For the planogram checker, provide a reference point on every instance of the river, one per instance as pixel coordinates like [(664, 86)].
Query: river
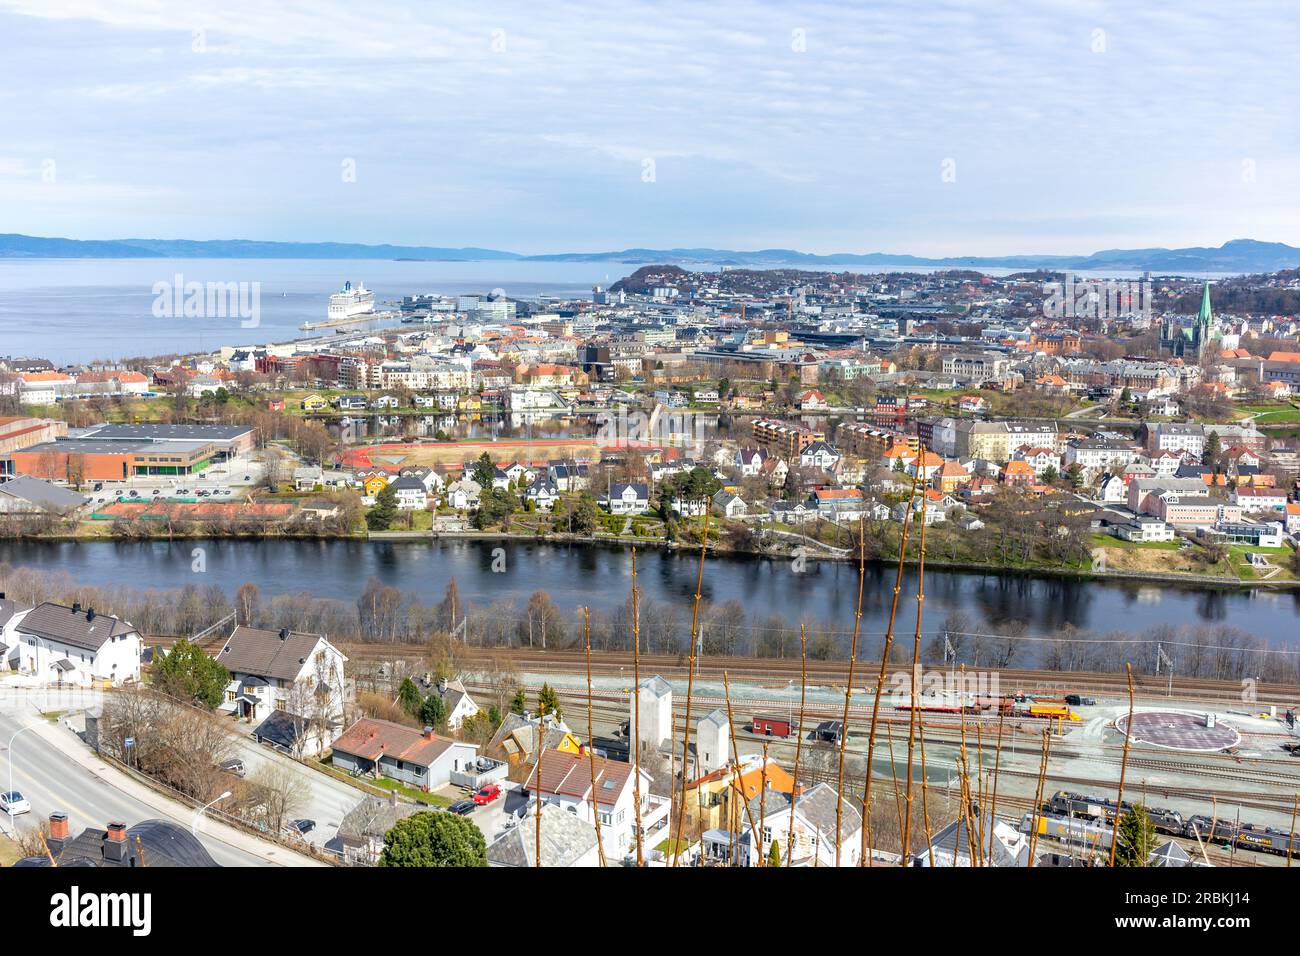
[(574, 575)]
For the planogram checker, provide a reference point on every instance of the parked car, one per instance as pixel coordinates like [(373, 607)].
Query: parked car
[(14, 803), (485, 795), (303, 826), (462, 807), (233, 765)]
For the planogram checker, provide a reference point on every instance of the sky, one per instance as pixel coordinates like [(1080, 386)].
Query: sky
[(931, 128)]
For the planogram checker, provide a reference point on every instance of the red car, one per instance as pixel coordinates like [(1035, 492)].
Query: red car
[(486, 795)]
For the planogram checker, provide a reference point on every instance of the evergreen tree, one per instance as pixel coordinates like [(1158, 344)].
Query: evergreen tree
[(1137, 838), (433, 713), (518, 703), (434, 839), (380, 516), (1213, 449), (548, 701), (188, 674), (774, 854), (484, 471), (408, 697)]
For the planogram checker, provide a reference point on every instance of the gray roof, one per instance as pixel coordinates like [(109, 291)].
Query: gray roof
[(565, 840), (375, 816), (252, 650), (187, 433), (41, 493), (8, 608), (656, 685), (715, 717), (76, 628)]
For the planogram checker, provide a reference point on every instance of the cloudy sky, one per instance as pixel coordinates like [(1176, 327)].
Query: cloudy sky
[(903, 126)]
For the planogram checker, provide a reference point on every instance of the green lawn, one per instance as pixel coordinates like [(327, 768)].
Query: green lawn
[(1110, 541)]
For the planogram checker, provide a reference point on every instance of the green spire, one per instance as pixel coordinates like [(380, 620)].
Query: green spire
[(1207, 314)]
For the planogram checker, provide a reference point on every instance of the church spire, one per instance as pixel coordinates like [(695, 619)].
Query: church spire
[(1206, 316)]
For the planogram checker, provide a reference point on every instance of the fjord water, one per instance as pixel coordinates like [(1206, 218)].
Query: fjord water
[(78, 310)]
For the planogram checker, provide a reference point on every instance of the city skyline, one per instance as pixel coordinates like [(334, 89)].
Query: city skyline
[(937, 131)]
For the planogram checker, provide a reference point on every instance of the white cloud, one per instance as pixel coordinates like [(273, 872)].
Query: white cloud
[(451, 109)]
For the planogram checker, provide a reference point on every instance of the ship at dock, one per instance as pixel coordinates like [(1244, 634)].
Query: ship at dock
[(351, 304)]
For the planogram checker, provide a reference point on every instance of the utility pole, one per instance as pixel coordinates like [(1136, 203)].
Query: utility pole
[(1161, 656)]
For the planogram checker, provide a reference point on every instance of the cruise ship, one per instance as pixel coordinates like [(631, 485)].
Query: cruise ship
[(351, 302)]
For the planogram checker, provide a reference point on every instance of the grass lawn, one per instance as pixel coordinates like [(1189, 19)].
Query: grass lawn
[(419, 796), (1110, 541)]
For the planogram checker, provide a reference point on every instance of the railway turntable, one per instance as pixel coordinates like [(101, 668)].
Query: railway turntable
[(1185, 731)]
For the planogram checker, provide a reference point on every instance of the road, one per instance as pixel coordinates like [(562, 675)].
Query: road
[(54, 777)]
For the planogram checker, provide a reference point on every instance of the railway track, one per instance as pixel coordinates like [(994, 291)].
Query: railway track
[(779, 672)]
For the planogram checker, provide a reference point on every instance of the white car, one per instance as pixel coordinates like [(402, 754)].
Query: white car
[(14, 803)]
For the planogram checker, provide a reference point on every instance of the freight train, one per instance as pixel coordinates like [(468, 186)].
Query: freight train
[(1245, 835), (1067, 829), (1099, 812), (1098, 808)]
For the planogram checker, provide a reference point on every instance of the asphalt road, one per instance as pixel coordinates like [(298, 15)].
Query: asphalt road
[(53, 781)]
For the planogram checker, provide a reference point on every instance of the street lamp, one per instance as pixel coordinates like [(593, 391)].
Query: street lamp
[(198, 814), (11, 771)]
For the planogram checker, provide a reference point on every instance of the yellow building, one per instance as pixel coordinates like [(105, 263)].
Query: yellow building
[(314, 403), (374, 483), (717, 800)]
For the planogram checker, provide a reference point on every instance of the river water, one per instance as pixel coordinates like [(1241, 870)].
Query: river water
[(575, 575)]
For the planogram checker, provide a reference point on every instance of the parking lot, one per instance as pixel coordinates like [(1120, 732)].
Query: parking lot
[(492, 818), (225, 481)]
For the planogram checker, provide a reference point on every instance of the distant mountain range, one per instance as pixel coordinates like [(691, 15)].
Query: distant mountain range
[(1239, 255)]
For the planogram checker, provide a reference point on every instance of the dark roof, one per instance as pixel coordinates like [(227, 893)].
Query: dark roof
[(279, 728), (155, 432), (150, 843), (253, 650), (73, 626)]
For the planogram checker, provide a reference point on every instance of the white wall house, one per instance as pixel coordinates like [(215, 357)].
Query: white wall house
[(75, 645), (814, 829), (298, 673), (633, 499), (566, 782)]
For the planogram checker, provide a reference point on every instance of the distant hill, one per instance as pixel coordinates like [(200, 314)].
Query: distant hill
[(1239, 255), (14, 246)]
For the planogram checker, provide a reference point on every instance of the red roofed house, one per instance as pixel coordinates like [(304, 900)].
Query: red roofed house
[(812, 399), (1019, 473), (566, 782), (426, 760)]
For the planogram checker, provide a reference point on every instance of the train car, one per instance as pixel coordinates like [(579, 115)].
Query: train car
[(1071, 830), (1099, 808), (1051, 712), (934, 708), (1247, 836), (772, 726)]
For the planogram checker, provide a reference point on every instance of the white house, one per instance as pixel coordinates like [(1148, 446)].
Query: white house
[(819, 455), (543, 493), (11, 615), (421, 759), (729, 505), (464, 494), (750, 461), (295, 672), (565, 781), (814, 828), (460, 706), (411, 493), (75, 645), (627, 499)]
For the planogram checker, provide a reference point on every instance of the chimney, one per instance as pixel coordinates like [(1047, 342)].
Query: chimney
[(428, 733), (284, 633), (58, 833), (76, 607), (90, 614), (442, 685), (115, 843)]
